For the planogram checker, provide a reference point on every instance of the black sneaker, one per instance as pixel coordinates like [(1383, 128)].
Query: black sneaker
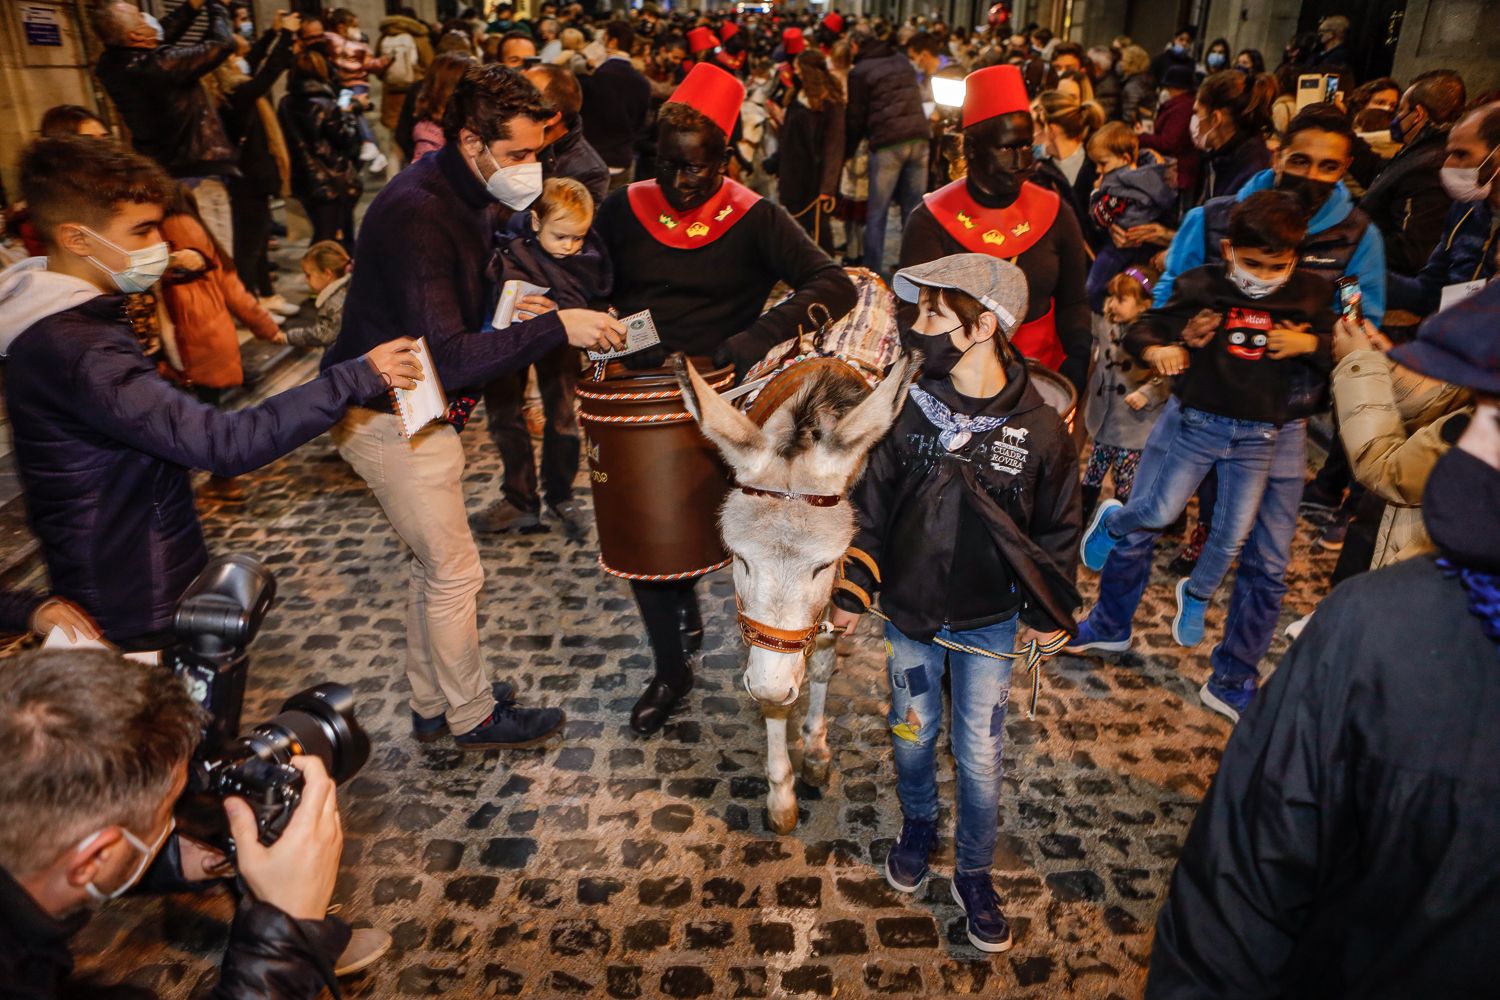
[(989, 931), (906, 864), (510, 727), (427, 730)]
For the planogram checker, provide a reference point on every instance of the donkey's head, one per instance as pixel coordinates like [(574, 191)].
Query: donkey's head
[(789, 524)]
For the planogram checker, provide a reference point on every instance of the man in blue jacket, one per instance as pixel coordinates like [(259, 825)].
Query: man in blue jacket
[(1314, 158), (104, 444)]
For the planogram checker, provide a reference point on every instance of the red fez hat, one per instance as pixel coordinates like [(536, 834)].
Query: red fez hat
[(729, 30), (713, 93), (992, 91), (834, 22), (702, 39), (792, 41)]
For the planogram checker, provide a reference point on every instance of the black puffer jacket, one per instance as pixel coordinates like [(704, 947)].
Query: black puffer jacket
[(885, 103), (158, 94), (270, 955), (1407, 201), (945, 527), (322, 140), (259, 175)]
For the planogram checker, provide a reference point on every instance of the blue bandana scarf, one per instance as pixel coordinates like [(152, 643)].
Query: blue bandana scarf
[(954, 429)]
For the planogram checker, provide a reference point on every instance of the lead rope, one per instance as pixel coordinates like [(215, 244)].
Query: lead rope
[(1033, 653)]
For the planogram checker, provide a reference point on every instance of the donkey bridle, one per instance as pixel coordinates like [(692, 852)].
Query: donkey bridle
[(783, 640), (814, 499)]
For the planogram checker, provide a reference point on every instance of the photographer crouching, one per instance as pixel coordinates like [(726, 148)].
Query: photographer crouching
[(97, 751)]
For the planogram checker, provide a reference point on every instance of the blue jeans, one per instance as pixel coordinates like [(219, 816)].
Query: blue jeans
[(1184, 445), (896, 172), (1255, 604), (981, 692)]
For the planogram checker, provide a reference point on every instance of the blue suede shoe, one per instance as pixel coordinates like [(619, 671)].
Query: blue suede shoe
[(1087, 640), (1097, 542), (1227, 696), (1187, 624), (989, 931), (428, 730), (906, 864)]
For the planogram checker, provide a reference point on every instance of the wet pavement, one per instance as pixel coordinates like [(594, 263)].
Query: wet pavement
[(605, 865)]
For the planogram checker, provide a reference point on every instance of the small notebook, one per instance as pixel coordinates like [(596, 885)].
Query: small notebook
[(511, 292), (640, 333), (427, 402)]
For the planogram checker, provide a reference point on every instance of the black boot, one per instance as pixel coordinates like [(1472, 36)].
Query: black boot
[(656, 705), (1090, 501), (690, 623)]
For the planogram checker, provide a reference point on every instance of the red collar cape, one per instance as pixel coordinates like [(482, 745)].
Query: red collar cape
[(694, 229), (1000, 232)]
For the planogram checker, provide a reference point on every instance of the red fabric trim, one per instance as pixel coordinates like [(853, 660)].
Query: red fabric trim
[(1038, 339), (690, 230), (1000, 232)]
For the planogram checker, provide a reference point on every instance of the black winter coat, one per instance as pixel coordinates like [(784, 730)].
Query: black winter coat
[(322, 140), (1020, 481), (1346, 848), (1407, 201), (885, 103), (259, 175), (105, 446), (270, 955), (1226, 169), (573, 156), (1137, 94), (158, 94), (811, 156)]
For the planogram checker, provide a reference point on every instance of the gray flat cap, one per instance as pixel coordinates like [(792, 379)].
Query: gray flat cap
[(999, 285)]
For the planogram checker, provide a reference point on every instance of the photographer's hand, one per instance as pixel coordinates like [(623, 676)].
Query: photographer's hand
[(296, 874)]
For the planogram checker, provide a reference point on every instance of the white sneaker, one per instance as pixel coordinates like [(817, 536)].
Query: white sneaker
[(1295, 628), (368, 151), (378, 165), (277, 304)]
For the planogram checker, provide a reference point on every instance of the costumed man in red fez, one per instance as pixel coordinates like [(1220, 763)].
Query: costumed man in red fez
[(793, 44), (996, 210), (703, 252), (732, 52), (702, 43)]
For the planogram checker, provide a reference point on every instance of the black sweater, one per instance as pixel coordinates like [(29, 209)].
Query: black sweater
[(423, 249), (1233, 375), (1056, 269), (919, 507), (709, 301), (616, 108)]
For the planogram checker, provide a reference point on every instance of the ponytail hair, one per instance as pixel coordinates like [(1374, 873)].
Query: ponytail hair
[(1246, 98), (1077, 119)]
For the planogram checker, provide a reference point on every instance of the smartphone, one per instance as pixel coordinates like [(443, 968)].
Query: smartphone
[(1350, 300), (1330, 87), (1310, 89)]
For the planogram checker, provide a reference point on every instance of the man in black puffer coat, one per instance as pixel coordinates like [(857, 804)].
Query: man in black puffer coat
[(885, 108)]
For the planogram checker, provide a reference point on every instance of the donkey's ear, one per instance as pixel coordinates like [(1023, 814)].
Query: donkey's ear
[(738, 438), (867, 423)]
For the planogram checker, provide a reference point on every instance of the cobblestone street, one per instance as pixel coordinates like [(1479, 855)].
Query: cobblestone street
[(603, 865)]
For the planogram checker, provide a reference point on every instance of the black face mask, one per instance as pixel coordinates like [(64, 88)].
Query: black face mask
[(1312, 193), (939, 353), (1461, 507)]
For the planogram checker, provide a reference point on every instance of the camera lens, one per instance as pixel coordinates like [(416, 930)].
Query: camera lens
[(318, 722)]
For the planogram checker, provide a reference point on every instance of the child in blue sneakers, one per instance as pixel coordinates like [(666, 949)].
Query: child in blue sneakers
[(968, 528), (1229, 401)]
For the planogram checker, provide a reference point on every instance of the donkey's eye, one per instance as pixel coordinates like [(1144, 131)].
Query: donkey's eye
[(819, 570)]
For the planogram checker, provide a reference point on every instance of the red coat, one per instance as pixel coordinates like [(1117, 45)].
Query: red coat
[(1172, 136), (203, 310)]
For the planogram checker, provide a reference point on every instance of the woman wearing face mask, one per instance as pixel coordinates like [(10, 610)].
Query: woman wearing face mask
[(1250, 62), (1217, 56), (997, 209), (968, 525), (1230, 119), (323, 144), (703, 252)]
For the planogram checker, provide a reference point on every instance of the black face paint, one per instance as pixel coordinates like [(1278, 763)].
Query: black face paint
[(1311, 192)]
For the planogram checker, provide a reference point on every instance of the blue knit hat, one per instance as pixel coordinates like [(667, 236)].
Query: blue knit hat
[(1460, 345)]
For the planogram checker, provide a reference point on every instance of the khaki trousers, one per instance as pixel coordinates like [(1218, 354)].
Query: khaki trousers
[(419, 486)]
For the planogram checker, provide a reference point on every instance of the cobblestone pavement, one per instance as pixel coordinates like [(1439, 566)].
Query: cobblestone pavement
[(609, 866)]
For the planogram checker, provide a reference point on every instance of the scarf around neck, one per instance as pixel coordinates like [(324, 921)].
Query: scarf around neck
[(954, 429)]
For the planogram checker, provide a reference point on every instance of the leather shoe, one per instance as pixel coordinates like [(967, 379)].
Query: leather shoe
[(655, 706), (690, 625)]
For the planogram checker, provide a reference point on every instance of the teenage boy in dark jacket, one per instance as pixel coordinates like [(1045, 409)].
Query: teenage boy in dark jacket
[(968, 518), (104, 444), (1230, 402)]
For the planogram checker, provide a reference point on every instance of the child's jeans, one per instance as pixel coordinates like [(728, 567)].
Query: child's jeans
[(1183, 446), (981, 692)]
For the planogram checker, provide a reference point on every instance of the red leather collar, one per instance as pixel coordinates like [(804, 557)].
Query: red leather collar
[(689, 230), (1000, 232)]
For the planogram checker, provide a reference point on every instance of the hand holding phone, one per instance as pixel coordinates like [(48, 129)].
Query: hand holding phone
[(1351, 300)]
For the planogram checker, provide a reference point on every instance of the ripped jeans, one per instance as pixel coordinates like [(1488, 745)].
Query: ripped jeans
[(981, 691)]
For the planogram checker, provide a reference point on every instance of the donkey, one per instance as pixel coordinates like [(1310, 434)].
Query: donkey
[(787, 527)]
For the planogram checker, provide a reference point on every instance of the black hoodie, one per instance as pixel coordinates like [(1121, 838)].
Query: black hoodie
[(964, 538)]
